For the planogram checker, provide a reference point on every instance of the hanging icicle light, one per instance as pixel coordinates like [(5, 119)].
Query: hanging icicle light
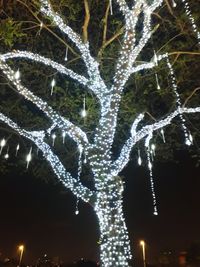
[(66, 53), (17, 149), (63, 136), (7, 155), (83, 111), (53, 83), (157, 82), (53, 138), (163, 135), (77, 210), (28, 158), (139, 159), (2, 144), (17, 75)]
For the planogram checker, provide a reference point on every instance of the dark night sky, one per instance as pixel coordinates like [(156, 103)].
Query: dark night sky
[(41, 215)]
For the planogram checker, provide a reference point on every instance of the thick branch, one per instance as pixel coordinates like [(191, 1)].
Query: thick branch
[(148, 130), (91, 64), (37, 137), (58, 121), (46, 61), (86, 22)]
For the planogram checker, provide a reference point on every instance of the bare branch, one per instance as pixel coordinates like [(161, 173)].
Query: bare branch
[(86, 22), (37, 137), (148, 130), (73, 131)]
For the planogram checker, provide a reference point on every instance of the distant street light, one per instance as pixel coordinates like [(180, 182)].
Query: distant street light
[(142, 243), (21, 249)]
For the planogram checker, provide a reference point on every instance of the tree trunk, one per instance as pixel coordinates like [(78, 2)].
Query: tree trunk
[(114, 241)]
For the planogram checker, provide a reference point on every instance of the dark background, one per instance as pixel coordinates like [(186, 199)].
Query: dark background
[(42, 215)]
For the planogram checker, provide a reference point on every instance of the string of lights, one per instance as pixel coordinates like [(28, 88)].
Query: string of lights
[(106, 199)]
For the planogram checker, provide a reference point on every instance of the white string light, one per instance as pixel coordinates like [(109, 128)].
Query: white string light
[(189, 14), (149, 164), (188, 139), (77, 209)]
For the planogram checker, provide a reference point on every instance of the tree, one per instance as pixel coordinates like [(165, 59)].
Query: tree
[(95, 151)]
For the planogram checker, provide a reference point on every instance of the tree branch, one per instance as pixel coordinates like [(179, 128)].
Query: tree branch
[(148, 130), (86, 22), (37, 137), (58, 121), (46, 61), (91, 64)]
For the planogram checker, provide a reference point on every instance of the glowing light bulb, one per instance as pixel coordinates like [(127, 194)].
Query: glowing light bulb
[(53, 137), (63, 136), (66, 53), (53, 83), (2, 144), (17, 75), (17, 149), (6, 156), (83, 113), (28, 158)]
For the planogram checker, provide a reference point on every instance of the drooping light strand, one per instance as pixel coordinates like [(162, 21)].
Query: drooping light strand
[(17, 149), (188, 138), (28, 158), (189, 14), (2, 145), (111, 7), (53, 83), (150, 166), (77, 209)]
